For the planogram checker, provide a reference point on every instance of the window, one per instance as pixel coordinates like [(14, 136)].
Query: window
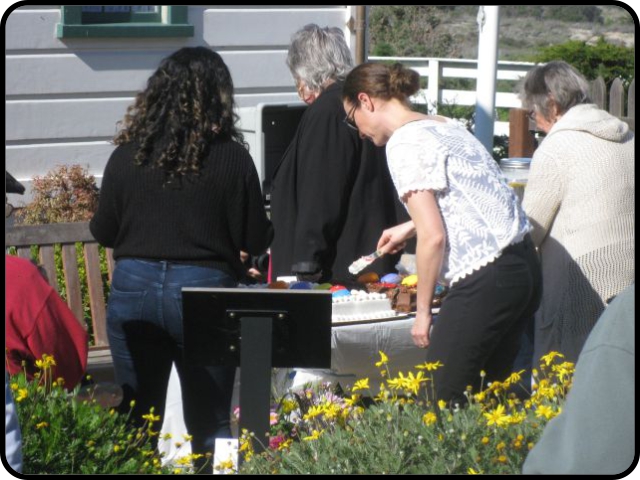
[(123, 21)]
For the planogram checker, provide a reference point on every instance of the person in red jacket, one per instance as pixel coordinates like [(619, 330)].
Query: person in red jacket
[(38, 322)]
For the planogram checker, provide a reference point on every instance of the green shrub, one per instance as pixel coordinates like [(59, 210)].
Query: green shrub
[(602, 59), (403, 432), (62, 434)]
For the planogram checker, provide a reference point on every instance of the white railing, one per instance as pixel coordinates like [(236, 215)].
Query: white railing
[(437, 69)]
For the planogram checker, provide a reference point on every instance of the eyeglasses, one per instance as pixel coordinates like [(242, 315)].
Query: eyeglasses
[(349, 120)]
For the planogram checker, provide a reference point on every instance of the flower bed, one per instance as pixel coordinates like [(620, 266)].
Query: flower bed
[(64, 434), (399, 431)]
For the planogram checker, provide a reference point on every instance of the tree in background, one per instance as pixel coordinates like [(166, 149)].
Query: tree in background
[(602, 59), (404, 30)]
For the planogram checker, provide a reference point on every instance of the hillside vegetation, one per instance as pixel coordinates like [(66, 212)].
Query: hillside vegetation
[(452, 31)]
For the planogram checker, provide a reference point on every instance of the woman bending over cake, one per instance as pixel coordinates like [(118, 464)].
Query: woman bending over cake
[(472, 233)]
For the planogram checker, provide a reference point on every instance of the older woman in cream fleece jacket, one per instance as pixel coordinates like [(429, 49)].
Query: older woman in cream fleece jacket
[(580, 201)]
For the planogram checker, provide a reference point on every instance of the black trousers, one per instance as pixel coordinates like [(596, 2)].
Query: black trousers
[(481, 322)]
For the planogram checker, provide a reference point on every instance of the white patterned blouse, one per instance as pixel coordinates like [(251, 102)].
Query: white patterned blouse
[(480, 212)]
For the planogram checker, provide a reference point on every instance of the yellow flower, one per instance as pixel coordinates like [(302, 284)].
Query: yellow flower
[(442, 404), (42, 425), (517, 418), (548, 358), (471, 471), (502, 459), (288, 406), (412, 382), (47, 361), (315, 435), (331, 410), (497, 417), (22, 394), (352, 401), (485, 440), (187, 437), (14, 387), (479, 397), (513, 378), (116, 448), (383, 359), (396, 383), (151, 417), (544, 411), (285, 445), (225, 465), (383, 395), (501, 446), (429, 418), (430, 366), (313, 412), (167, 436), (361, 385)]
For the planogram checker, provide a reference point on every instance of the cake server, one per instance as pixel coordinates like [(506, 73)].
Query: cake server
[(363, 262)]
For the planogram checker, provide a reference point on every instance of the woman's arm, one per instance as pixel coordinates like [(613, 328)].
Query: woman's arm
[(542, 195), (430, 248), (394, 239), (104, 224)]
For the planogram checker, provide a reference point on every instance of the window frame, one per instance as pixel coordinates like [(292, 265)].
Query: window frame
[(173, 22)]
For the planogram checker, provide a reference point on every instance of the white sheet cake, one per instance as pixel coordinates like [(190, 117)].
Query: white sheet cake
[(361, 305)]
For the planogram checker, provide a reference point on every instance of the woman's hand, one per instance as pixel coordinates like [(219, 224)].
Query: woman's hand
[(395, 238), (420, 331)]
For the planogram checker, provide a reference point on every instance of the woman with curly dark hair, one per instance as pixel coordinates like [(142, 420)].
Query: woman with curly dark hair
[(180, 199)]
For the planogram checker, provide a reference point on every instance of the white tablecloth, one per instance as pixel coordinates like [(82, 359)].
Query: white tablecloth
[(354, 352)]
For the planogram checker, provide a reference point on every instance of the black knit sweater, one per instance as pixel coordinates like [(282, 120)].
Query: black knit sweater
[(204, 220)]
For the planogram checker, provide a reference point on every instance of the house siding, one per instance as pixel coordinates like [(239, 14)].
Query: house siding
[(64, 97)]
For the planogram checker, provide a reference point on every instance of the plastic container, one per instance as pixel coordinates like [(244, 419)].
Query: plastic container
[(516, 171)]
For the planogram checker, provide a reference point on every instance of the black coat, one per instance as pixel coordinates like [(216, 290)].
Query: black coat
[(331, 196)]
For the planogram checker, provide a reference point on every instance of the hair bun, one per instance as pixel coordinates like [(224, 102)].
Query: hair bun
[(403, 81)]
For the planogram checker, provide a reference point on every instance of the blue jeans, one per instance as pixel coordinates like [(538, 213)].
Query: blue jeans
[(144, 325)]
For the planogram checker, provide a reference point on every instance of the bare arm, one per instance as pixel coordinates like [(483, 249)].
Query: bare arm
[(430, 246), (393, 239)]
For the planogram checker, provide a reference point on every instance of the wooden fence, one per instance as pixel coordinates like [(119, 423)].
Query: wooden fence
[(522, 130), (436, 72)]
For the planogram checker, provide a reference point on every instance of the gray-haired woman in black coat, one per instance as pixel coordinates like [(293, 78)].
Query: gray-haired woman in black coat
[(331, 194)]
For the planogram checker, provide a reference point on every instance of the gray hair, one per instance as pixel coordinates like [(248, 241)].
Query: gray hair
[(317, 55), (556, 82)]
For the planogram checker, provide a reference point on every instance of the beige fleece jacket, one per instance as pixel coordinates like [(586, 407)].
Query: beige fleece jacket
[(580, 201)]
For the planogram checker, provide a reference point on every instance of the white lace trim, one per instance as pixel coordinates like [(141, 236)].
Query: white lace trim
[(483, 263)]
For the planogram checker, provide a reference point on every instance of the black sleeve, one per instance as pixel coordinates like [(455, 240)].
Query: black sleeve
[(258, 231), (105, 225), (328, 153)]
